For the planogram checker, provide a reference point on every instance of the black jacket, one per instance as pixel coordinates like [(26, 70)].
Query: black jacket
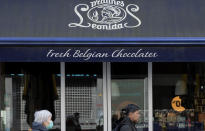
[(127, 125), (38, 127)]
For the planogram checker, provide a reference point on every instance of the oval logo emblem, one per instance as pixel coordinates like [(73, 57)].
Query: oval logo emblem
[(106, 14)]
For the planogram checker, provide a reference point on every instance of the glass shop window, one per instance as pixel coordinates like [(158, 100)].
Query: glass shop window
[(26, 88), (129, 86), (179, 96), (84, 97)]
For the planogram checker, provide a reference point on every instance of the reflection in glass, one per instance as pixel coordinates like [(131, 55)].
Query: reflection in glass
[(178, 96), (26, 88), (84, 97), (129, 86)]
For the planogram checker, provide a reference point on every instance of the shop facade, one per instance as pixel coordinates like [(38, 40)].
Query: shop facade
[(84, 61)]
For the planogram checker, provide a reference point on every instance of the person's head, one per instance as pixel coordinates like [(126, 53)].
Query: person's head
[(132, 111), (44, 117)]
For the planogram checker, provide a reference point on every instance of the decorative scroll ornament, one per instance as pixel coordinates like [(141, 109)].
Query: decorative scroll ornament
[(80, 24), (106, 15)]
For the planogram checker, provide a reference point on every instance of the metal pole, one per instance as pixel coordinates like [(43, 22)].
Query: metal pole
[(105, 97), (150, 100), (109, 93), (63, 116)]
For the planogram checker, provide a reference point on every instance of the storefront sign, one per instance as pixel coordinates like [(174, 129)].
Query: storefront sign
[(103, 54), (176, 104), (106, 15), (101, 20), (90, 53)]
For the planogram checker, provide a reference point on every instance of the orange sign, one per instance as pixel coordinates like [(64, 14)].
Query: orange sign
[(176, 104)]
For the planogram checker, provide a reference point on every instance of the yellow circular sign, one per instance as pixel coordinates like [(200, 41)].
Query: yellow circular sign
[(176, 104)]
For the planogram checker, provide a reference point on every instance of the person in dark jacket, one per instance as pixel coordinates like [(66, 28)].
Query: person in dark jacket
[(42, 121), (132, 117)]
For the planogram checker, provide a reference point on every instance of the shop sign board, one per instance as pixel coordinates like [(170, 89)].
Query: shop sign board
[(102, 54), (102, 19)]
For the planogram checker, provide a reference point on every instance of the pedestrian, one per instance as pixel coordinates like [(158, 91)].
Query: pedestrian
[(132, 116), (42, 121)]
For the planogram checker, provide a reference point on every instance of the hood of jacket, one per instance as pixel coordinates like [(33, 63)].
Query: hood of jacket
[(38, 127), (127, 121)]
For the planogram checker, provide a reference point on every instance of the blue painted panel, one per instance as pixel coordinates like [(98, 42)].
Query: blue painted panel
[(127, 54)]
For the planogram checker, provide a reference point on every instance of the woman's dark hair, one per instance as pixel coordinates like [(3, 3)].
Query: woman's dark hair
[(131, 108)]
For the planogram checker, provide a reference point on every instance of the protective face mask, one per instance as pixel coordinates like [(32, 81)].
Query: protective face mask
[(50, 125)]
